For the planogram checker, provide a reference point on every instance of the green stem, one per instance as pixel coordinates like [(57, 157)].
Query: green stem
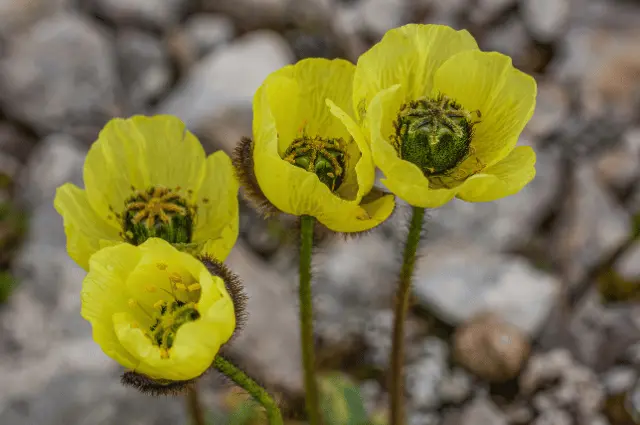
[(249, 385), (195, 408), (396, 379), (306, 320)]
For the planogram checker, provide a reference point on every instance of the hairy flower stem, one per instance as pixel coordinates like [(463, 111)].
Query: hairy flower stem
[(306, 320), (195, 408), (258, 393), (396, 378)]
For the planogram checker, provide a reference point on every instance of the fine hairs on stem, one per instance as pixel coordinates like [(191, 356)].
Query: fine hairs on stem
[(258, 393), (396, 377), (306, 320), (195, 407)]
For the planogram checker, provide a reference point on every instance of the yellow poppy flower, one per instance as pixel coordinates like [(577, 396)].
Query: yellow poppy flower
[(156, 310), (444, 117), (303, 158), (149, 177)]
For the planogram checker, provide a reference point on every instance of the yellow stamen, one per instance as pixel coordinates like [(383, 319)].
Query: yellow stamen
[(175, 277), (194, 287), (162, 266), (181, 286), (159, 304)]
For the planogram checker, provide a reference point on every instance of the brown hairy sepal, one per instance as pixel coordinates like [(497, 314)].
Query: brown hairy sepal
[(242, 159)]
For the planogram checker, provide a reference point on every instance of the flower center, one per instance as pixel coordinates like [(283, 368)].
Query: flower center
[(157, 212), (168, 316), (326, 158), (434, 134)]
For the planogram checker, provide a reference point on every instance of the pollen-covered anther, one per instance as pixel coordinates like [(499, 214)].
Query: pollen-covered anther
[(157, 212), (324, 157), (435, 134)]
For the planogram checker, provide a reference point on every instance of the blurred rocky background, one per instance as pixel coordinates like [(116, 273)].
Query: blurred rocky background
[(525, 310)]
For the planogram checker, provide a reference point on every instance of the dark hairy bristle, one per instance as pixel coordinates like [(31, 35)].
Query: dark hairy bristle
[(234, 286), (242, 159), (153, 387)]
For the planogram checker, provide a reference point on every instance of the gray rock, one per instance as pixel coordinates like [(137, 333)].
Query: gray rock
[(423, 418), (205, 33), (15, 15), (375, 328), (619, 167), (519, 413), (590, 227), (14, 142), (423, 377), (601, 335), (89, 398), (628, 265), (510, 38), (563, 384), (455, 387), (553, 417), (597, 420), (633, 400), (619, 379), (504, 224), (345, 305), (552, 109), (485, 11), (65, 63), (458, 282), (379, 16), (56, 160), (482, 411), (252, 14), (442, 13), (546, 19), (633, 354), (145, 13), (145, 68), (272, 324), (601, 61), (224, 82), (372, 395), (544, 368)]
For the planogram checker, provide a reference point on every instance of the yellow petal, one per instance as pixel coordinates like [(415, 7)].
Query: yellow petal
[(505, 178), (194, 349), (289, 188), (104, 294), (409, 56), (86, 231), (296, 97), (216, 306), (359, 218), (364, 170), (505, 97), (217, 217), (141, 152), (196, 343)]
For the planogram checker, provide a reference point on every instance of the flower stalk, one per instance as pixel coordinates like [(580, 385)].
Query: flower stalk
[(396, 378), (258, 393), (306, 320)]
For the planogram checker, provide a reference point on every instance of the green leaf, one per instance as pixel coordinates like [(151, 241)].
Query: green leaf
[(7, 283)]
